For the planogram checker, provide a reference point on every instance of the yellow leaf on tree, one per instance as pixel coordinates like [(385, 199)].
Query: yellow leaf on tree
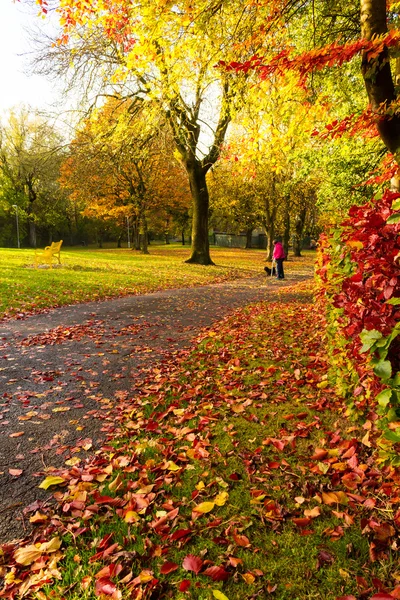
[(221, 498), (204, 507), (51, 480)]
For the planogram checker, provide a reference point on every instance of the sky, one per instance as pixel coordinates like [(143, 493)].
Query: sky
[(17, 85)]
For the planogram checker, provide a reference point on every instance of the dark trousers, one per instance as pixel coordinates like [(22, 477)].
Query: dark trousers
[(279, 268)]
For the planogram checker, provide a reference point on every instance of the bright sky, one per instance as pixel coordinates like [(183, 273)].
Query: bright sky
[(17, 86)]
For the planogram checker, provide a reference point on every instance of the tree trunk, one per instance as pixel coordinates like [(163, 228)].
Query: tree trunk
[(249, 234), (32, 233), (144, 232), (183, 237), (377, 72), (299, 228), (286, 232), (200, 252)]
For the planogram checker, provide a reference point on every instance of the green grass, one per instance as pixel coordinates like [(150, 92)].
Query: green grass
[(90, 274)]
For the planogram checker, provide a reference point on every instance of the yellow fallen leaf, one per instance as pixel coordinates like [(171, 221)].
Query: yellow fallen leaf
[(204, 507), (312, 512), (200, 486), (171, 466), (249, 578), (73, 461), (221, 498), (219, 595), (51, 480), (131, 517), (145, 576), (38, 517), (29, 554), (322, 385)]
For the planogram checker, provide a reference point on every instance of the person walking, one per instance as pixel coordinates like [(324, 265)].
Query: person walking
[(279, 256)]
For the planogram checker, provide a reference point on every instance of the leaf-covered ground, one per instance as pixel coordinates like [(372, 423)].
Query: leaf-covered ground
[(229, 473)]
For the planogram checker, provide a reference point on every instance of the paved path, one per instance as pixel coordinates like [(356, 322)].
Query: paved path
[(61, 370)]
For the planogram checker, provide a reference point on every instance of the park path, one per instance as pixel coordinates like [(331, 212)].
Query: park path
[(61, 371)]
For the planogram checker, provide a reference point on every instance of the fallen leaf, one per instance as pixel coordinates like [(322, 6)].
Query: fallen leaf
[(51, 480), (192, 563)]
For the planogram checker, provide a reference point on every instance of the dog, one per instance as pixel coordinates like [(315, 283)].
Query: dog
[(269, 271)]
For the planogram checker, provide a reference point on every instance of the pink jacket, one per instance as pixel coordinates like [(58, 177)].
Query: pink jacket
[(278, 251)]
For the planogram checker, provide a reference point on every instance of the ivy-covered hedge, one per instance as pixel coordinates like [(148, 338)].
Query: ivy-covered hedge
[(358, 276)]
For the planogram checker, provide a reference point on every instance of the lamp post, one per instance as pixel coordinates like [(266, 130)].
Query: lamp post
[(129, 240), (16, 215)]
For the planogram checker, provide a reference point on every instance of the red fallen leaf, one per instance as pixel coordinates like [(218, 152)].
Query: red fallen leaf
[(168, 567), (346, 598), (324, 558), (17, 434), (184, 585), (15, 472), (108, 500), (235, 476), (396, 592), (302, 522), (319, 454), (192, 563), (382, 596), (351, 481), (180, 533), (216, 573), (104, 585), (242, 540)]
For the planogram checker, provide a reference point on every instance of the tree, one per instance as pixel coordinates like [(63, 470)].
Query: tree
[(167, 52), (121, 166), (31, 151)]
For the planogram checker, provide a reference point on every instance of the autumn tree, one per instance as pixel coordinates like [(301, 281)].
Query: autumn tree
[(167, 52), (121, 166)]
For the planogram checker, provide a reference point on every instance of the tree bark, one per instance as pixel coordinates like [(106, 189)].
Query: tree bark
[(286, 232), (249, 234), (200, 243), (377, 73)]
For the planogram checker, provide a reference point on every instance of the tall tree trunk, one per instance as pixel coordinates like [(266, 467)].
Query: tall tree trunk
[(32, 232), (200, 252), (286, 231), (377, 72), (249, 234), (144, 230), (298, 229)]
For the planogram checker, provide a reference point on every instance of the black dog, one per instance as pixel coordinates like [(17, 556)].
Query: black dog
[(269, 272)]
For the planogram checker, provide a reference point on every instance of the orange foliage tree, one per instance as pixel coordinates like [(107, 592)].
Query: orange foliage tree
[(121, 166)]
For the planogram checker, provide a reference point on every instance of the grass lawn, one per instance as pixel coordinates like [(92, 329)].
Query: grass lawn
[(90, 274)]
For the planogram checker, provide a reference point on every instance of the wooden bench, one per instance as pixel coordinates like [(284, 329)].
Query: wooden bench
[(46, 256)]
